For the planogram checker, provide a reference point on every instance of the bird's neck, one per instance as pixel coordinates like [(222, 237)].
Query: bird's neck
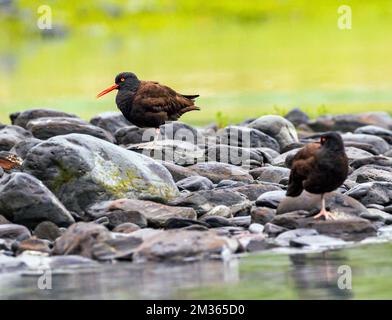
[(124, 98)]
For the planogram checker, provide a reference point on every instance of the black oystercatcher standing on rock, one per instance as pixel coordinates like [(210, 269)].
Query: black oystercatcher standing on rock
[(319, 168), (148, 104)]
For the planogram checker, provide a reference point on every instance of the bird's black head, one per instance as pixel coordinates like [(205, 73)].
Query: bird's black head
[(123, 81), (332, 141)]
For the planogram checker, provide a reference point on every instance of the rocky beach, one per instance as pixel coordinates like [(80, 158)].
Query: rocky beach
[(95, 192)]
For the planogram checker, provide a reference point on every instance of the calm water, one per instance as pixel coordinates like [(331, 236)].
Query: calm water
[(257, 276)]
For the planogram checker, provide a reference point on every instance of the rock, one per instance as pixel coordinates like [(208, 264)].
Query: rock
[(22, 118), (3, 220), (11, 135), (82, 170), (138, 211), (178, 173), (230, 184), (284, 160), (273, 230), (262, 215), (372, 193), (335, 202), (195, 183), (32, 244), (110, 121), (350, 122), (260, 245), (386, 209), (45, 128), (216, 221), (241, 221), (118, 212), (178, 245), (270, 174), (285, 238), (14, 231), (246, 138), (356, 154), (277, 127), (244, 157), (131, 135), (271, 199), (217, 172), (47, 230), (126, 227), (181, 153), (376, 131), (146, 233), (117, 248), (253, 191), (372, 160), (379, 144), (369, 173), (317, 241), (25, 200), (23, 147), (221, 211), (377, 215), (177, 223), (205, 200), (256, 228), (179, 131), (80, 238), (296, 116)]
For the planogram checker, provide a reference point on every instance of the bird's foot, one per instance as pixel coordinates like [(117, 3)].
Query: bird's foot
[(326, 214)]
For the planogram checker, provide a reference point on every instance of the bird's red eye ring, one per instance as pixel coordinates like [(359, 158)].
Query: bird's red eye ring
[(323, 139), (122, 79)]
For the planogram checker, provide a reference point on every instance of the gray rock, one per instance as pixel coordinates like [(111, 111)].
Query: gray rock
[(356, 154), (23, 147), (271, 199), (126, 227), (14, 231), (195, 183), (178, 173), (350, 122), (3, 220), (241, 221), (296, 116), (284, 159), (179, 131), (273, 230), (335, 202), (131, 135), (372, 193), (22, 118), (47, 230), (181, 153), (270, 174), (277, 127), (178, 245), (230, 184), (137, 211), (246, 138), (317, 241), (379, 144), (256, 228), (25, 200), (45, 128), (216, 221), (82, 170), (177, 223), (285, 238), (253, 191), (205, 200), (221, 211), (377, 215), (369, 173), (372, 160), (110, 121), (217, 172), (376, 131), (262, 215), (11, 135)]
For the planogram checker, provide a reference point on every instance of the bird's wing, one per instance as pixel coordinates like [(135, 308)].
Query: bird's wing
[(157, 98), (302, 165)]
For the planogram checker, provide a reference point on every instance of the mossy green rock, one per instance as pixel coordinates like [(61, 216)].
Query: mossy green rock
[(82, 170)]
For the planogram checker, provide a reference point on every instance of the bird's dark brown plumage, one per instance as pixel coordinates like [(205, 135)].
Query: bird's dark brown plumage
[(319, 167), (148, 103)]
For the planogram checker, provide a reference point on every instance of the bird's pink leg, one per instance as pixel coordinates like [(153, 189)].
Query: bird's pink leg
[(323, 212)]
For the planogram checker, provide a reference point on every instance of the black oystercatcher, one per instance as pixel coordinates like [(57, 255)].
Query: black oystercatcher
[(9, 160), (148, 104), (319, 168)]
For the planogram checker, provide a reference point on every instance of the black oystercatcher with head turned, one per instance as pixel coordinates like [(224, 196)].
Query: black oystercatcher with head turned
[(319, 168), (148, 104), (9, 160)]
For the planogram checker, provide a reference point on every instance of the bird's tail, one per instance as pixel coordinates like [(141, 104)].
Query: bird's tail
[(191, 96)]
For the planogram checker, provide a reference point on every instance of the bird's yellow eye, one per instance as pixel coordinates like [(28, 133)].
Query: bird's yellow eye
[(122, 79)]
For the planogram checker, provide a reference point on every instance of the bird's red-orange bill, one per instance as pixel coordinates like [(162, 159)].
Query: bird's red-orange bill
[(107, 90)]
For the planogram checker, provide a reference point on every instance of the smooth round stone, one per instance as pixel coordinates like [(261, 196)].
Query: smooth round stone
[(256, 228), (126, 227), (47, 230), (221, 210)]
